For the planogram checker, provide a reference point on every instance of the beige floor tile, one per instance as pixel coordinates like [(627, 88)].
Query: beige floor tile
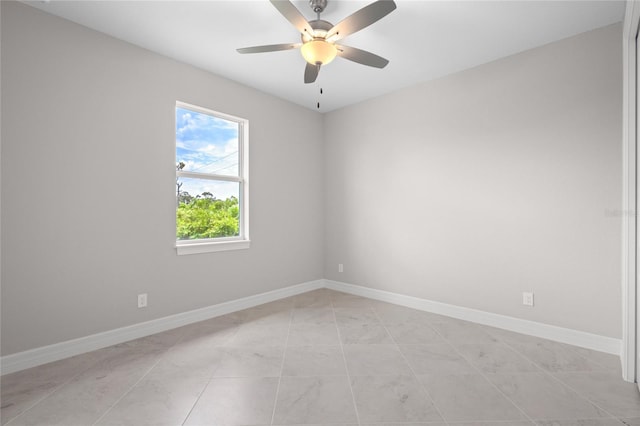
[(581, 422), (541, 397), (512, 337), (606, 361), (22, 396), (89, 395), (314, 361), (314, 400), (495, 358), (509, 423), (439, 358), (208, 333), (456, 331), (196, 358), (316, 298), (607, 390), (347, 301), (280, 305), (235, 402), (355, 316), (313, 334), (408, 424), (257, 361), (392, 399), (267, 316), (469, 397), (164, 397), (397, 315), (54, 372), (375, 360), (23, 389), (230, 319), (227, 371), (364, 334), (313, 315), (413, 334), (260, 335), (555, 357)]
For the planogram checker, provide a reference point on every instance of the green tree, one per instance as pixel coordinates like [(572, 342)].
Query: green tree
[(179, 167), (204, 216)]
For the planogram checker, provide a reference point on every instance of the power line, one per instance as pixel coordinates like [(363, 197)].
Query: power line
[(215, 161), (228, 167)]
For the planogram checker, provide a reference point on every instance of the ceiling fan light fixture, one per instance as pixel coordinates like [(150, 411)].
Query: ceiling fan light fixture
[(318, 51), (319, 36)]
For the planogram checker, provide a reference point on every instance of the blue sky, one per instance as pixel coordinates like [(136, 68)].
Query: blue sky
[(207, 144)]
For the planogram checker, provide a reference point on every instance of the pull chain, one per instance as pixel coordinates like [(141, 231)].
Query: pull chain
[(318, 104)]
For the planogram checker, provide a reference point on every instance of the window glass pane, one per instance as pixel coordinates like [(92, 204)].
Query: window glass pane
[(206, 144), (206, 209)]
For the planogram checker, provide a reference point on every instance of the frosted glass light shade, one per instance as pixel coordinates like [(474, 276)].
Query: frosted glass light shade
[(315, 51)]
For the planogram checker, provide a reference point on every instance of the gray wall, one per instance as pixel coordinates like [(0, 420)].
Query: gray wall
[(473, 188), (88, 185), (466, 190)]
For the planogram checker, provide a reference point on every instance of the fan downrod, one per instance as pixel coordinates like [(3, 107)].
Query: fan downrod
[(318, 6)]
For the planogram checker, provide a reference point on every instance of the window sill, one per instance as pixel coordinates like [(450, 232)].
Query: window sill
[(210, 246)]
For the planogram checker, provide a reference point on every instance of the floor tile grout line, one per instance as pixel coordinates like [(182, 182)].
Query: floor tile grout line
[(204, 388), (346, 368), (484, 376), (211, 376), (163, 354), (57, 388), (125, 393), (569, 347), (410, 367), (528, 418), (284, 354), (139, 380), (547, 373), (575, 352), (448, 342), (54, 390)]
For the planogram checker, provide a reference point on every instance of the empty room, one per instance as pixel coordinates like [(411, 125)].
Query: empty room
[(314, 212)]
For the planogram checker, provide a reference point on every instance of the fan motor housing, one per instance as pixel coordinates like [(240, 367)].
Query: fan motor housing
[(319, 25), (318, 6)]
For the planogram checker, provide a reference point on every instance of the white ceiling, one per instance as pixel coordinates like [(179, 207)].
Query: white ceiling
[(423, 40)]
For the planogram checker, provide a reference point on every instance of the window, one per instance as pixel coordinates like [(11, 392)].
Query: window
[(211, 181)]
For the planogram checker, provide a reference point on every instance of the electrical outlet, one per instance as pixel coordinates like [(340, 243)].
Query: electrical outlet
[(340, 267), (527, 299), (142, 300)]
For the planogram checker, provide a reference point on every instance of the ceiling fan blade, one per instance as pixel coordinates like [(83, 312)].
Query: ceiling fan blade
[(361, 56), (293, 15), (311, 72), (269, 48), (361, 19)]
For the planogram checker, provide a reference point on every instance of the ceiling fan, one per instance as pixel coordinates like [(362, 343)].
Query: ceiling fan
[(319, 37)]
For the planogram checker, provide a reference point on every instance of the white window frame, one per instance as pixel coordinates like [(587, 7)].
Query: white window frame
[(242, 241)]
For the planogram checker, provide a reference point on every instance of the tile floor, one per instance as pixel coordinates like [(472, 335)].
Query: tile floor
[(327, 357)]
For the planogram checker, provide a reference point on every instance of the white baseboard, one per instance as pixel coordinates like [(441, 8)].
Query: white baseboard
[(45, 354), (532, 328)]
